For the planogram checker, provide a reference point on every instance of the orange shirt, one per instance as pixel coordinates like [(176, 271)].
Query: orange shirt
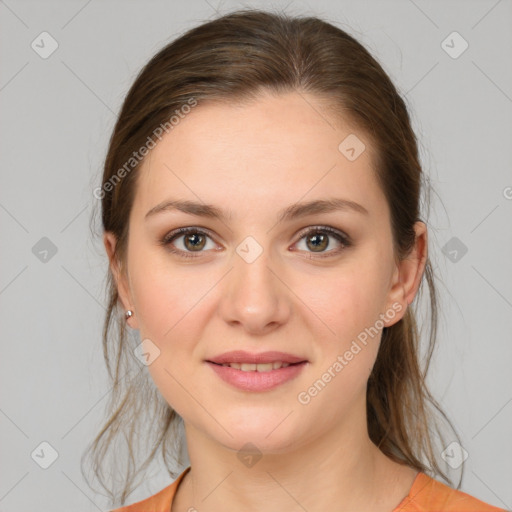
[(426, 495)]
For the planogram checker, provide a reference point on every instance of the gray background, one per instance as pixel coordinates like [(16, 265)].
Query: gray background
[(57, 116)]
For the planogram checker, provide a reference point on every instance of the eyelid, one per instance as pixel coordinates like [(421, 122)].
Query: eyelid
[(327, 229), (185, 230)]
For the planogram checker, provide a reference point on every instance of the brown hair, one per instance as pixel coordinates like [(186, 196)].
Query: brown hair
[(233, 58)]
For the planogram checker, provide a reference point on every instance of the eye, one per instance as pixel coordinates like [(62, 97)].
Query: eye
[(194, 240), (317, 241)]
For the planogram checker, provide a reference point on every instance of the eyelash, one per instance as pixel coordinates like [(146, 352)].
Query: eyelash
[(338, 235)]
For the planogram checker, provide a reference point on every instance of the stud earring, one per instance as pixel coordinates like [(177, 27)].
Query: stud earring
[(128, 314)]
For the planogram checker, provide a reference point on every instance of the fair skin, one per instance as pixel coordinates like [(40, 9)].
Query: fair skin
[(253, 161)]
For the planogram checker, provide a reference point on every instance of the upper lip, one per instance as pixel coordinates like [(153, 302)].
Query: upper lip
[(241, 356)]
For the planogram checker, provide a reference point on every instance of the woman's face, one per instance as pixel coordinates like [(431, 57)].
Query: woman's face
[(255, 280)]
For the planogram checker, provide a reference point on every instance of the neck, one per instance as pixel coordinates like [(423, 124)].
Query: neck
[(334, 472)]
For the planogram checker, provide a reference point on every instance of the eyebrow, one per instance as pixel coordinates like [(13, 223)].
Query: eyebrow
[(291, 212)]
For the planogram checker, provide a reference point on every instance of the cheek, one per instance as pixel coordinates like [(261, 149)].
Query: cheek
[(347, 350), (166, 297), (345, 301), (170, 304), (348, 303)]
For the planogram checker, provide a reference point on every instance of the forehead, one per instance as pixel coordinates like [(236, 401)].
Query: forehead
[(272, 151)]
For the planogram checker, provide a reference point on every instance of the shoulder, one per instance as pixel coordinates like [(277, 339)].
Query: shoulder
[(159, 502), (430, 495)]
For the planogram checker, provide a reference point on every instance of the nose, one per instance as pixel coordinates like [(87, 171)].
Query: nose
[(255, 296)]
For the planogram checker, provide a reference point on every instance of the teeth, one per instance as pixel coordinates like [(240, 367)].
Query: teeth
[(262, 367)]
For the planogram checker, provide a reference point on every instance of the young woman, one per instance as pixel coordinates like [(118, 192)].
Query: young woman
[(260, 206)]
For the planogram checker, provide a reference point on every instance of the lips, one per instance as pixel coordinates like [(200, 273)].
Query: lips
[(259, 367), (257, 372), (247, 358)]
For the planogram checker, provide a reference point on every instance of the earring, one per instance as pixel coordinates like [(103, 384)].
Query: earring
[(128, 314)]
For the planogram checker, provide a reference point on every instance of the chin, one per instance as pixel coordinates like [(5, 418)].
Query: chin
[(270, 433)]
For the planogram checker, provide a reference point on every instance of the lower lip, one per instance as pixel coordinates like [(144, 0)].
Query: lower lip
[(257, 381)]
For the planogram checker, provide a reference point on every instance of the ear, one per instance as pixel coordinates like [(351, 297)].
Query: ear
[(120, 276), (407, 275)]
